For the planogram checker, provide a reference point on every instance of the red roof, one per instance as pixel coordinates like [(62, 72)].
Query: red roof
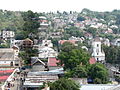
[(63, 41), (92, 60), (3, 78), (6, 71), (52, 61)]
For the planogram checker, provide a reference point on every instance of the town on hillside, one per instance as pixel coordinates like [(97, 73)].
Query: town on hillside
[(60, 50)]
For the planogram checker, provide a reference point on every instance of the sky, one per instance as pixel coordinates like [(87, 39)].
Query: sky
[(60, 5)]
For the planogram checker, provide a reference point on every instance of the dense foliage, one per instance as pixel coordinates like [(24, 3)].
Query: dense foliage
[(112, 54), (71, 56), (64, 84), (26, 55), (76, 64), (98, 73)]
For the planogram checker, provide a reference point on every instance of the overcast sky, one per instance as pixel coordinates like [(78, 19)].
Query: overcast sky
[(61, 5)]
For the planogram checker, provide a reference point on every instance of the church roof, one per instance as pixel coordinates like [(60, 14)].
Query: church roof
[(97, 39)]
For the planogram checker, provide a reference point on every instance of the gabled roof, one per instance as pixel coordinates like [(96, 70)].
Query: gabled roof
[(27, 39)]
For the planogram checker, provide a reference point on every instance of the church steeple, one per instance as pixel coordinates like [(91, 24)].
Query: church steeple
[(97, 51)]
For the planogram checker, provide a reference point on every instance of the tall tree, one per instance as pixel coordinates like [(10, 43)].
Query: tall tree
[(31, 24), (73, 58), (98, 73)]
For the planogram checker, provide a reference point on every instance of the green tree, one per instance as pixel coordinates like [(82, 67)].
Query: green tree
[(26, 55), (67, 47), (64, 84), (73, 58), (31, 24), (81, 18), (98, 73), (92, 30), (112, 54), (78, 72)]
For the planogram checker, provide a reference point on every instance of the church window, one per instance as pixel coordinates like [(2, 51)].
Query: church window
[(97, 45)]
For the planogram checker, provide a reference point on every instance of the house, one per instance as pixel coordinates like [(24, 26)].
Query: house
[(116, 42), (16, 42), (7, 34), (108, 31), (53, 63), (36, 79), (43, 23), (88, 36), (56, 35), (106, 41), (9, 58), (71, 41), (27, 43), (45, 52), (98, 53), (78, 39), (47, 43)]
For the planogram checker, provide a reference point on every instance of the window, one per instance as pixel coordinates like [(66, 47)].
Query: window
[(16, 64), (97, 59), (11, 64), (97, 45)]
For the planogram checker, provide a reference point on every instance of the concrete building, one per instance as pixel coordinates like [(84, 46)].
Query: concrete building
[(47, 43), (7, 34), (45, 52)]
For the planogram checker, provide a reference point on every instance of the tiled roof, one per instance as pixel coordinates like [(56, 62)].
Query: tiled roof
[(71, 41), (52, 61), (92, 60)]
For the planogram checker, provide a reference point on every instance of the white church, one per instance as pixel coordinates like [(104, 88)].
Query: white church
[(98, 53)]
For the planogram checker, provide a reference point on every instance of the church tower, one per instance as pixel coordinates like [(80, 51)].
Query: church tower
[(98, 53)]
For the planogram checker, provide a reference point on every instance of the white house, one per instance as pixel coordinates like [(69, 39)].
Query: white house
[(97, 51), (106, 41), (116, 42), (47, 43), (14, 42), (45, 52), (7, 34)]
